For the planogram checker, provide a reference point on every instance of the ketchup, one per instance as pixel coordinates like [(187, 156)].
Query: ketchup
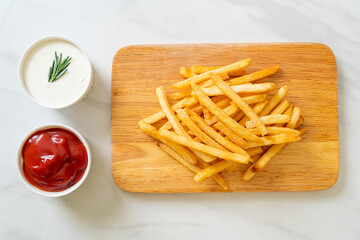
[(54, 159)]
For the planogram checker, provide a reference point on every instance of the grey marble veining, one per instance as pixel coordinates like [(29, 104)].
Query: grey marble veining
[(99, 210)]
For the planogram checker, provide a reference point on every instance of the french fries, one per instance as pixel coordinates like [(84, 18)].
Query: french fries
[(218, 177), (241, 89), (192, 167), (186, 73), (203, 69), (268, 120), (276, 130), (222, 120), (196, 130), (204, 76), (175, 122), (275, 139), (187, 92), (257, 109), (204, 148), (272, 151), (211, 170), (181, 150), (185, 102), (217, 136), (280, 108), (222, 116), (228, 91), (231, 135), (274, 101), (254, 76)]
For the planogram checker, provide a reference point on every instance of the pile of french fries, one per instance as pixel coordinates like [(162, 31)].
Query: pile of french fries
[(222, 119)]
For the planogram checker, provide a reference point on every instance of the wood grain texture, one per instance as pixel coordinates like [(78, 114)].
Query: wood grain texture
[(309, 70)]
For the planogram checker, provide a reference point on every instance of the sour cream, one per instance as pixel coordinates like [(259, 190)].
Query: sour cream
[(67, 90)]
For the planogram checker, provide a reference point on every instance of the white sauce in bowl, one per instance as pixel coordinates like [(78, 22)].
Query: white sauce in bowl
[(68, 89)]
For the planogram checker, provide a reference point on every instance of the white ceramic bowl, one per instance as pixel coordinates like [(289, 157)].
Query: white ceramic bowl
[(23, 60), (20, 162)]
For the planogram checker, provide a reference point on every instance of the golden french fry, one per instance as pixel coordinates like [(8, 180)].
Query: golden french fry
[(223, 103), (264, 159), (186, 73), (186, 102), (254, 151), (181, 94), (239, 116), (211, 170), (274, 101), (294, 118), (302, 131), (231, 135), (180, 159), (196, 109), (182, 151), (222, 100), (204, 148), (255, 98), (160, 92), (175, 122), (207, 83), (287, 112), (275, 139), (233, 110), (230, 110), (205, 76), (280, 108), (269, 120), (206, 113), (218, 177), (254, 76), (221, 115), (271, 152), (187, 92), (184, 117), (218, 98), (237, 73), (166, 126), (236, 165), (300, 122), (203, 69), (228, 91), (275, 131), (241, 89), (215, 135), (257, 109), (192, 167)]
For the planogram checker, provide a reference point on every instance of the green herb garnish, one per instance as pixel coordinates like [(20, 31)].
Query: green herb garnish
[(58, 67)]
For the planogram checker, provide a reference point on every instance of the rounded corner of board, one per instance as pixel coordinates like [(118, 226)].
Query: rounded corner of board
[(332, 183), (123, 49), (328, 49), (123, 187)]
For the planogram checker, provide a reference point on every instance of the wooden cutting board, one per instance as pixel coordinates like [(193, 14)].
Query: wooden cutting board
[(309, 70)]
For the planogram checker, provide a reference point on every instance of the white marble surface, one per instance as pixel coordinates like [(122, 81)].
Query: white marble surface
[(100, 210)]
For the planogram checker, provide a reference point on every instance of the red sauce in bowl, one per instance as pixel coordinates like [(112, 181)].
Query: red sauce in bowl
[(54, 159)]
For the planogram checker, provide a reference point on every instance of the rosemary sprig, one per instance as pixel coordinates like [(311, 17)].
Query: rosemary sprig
[(58, 67)]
